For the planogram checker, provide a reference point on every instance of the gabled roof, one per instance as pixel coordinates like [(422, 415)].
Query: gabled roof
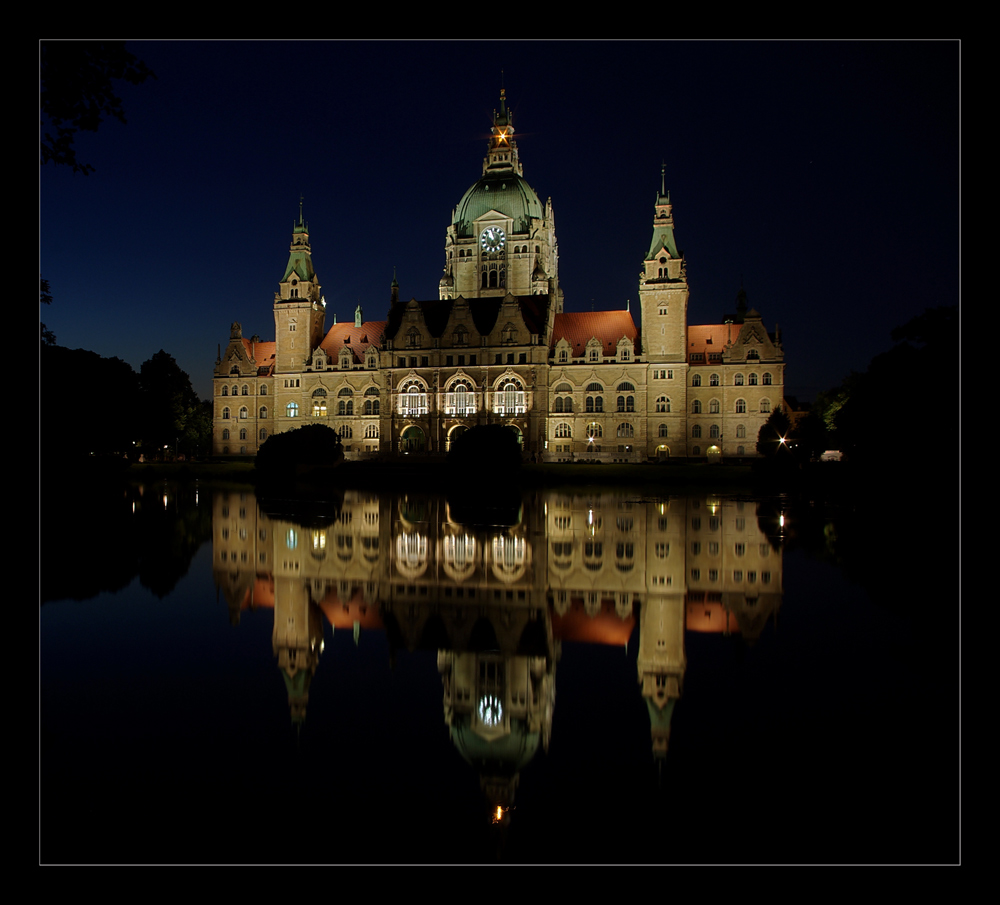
[(357, 339), (710, 338), (262, 353), (577, 327), (484, 312)]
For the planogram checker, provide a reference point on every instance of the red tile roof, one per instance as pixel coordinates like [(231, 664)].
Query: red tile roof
[(608, 326), (262, 353), (357, 339), (710, 338)]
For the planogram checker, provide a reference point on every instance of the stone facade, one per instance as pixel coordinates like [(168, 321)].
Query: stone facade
[(496, 346)]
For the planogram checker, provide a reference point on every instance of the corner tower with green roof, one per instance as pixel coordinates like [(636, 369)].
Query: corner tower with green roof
[(501, 238), (663, 288), (299, 309)]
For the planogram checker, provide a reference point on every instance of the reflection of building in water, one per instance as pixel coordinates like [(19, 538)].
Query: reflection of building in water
[(496, 603)]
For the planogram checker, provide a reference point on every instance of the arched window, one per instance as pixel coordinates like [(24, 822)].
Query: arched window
[(263, 433), (713, 381), (713, 407), (371, 432), (738, 380), (246, 390), (292, 410), (663, 430), (345, 432), (243, 433), (413, 399), (235, 390), (563, 431), (696, 431), (263, 390), (696, 380), (244, 413), (225, 414), (563, 356), (741, 431), (713, 432), (625, 387), (509, 399), (594, 430), (263, 411), (662, 404), (696, 407), (766, 379), (225, 391), (765, 406), (461, 399), (413, 338), (741, 406), (225, 433), (753, 380), (626, 430), (559, 404)]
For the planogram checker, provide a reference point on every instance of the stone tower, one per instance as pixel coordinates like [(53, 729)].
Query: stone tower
[(299, 309), (663, 289), (501, 238)]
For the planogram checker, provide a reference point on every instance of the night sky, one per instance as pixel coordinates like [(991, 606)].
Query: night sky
[(824, 175)]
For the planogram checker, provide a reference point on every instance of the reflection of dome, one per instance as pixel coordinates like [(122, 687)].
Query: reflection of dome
[(505, 192), (505, 755)]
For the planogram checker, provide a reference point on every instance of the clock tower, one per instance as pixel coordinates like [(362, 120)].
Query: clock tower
[(501, 239)]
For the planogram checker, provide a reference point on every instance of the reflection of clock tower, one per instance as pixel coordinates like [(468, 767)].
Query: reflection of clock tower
[(501, 240)]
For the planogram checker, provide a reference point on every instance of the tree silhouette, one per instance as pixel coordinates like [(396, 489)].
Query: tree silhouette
[(77, 93)]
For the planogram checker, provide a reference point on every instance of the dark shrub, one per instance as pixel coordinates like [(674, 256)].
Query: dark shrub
[(310, 447)]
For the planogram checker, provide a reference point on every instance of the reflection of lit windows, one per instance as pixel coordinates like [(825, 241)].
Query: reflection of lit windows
[(490, 710), (291, 539), (662, 550), (739, 549)]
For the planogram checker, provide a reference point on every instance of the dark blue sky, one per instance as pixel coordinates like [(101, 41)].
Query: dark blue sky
[(825, 175)]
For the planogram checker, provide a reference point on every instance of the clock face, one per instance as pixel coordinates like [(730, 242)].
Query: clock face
[(492, 239), (490, 710)]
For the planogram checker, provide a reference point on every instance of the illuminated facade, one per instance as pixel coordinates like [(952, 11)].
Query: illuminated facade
[(496, 346)]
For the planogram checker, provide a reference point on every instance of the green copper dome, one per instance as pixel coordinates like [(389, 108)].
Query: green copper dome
[(505, 192)]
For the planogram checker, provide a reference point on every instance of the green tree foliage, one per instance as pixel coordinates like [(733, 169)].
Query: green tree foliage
[(172, 416), (77, 93)]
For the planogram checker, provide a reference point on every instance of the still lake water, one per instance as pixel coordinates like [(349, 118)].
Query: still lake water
[(630, 679)]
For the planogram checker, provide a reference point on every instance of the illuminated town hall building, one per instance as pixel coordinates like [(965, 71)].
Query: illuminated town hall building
[(497, 347)]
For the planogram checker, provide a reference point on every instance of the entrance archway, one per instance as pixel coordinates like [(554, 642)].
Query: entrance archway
[(412, 440), (714, 454), (662, 453), (455, 433)]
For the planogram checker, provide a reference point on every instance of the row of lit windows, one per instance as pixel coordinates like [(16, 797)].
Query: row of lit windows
[(713, 380)]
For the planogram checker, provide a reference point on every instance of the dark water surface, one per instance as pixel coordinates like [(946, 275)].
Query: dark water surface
[(679, 679)]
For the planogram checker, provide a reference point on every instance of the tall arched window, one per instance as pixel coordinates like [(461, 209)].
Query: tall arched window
[(696, 407), (263, 411), (510, 399), (662, 404), (741, 406), (663, 430), (713, 381), (696, 380), (244, 413), (713, 407), (753, 380), (563, 431), (626, 430), (696, 431), (292, 410), (766, 379), (225, 414)]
